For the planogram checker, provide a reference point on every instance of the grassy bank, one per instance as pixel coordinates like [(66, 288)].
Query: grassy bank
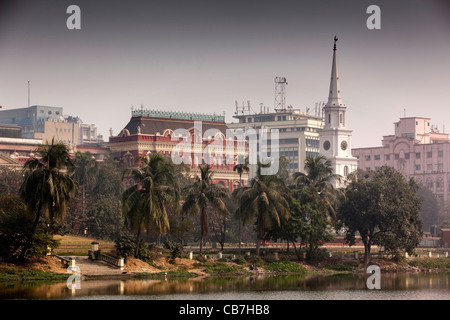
[(172, 274), (18, 274), (440, 264)]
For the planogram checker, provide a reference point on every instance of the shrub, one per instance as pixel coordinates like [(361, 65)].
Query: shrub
[(339, 267), (255, 260), (240, 260), (15, 226), (284, 266), (125, 246), (174, 247)]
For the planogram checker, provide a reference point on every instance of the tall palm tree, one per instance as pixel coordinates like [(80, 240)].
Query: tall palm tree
[(85, 173), (266, 201), (201, 194), (240, 168), (47, 187), (317, 182), (144, 203), (318, 198)]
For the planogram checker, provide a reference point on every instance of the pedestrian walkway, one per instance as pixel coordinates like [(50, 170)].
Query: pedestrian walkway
[(95, 268)]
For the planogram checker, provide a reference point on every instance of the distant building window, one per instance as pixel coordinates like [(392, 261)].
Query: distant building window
[(377, 168), (440, 154), (345, 171), (406, 155), (377, 157), (430, 154), (49, 112), (440, 167), (367, 169), (367, 158), (417, 167), (429, 167), (387, 157), (430, 184), (417, 155), (329, 118), (396, 156)]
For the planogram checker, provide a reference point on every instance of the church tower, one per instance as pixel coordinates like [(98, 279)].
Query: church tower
[(335, 137)]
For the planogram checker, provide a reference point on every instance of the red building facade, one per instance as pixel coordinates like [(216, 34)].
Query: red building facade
[(190, 138)]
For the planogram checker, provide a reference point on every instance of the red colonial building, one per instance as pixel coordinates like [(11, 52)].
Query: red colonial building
[(191, 138)]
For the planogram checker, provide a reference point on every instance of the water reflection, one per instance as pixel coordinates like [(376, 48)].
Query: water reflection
[(341, 286)]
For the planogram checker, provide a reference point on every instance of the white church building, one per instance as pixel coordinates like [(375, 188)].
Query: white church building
[(335, 137)]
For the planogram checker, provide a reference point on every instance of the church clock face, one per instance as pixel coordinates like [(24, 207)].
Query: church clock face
[(326, 145), (344, 145)]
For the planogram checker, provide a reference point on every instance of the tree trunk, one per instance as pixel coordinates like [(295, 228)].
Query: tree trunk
[(297, 252), (201, 240), (27, 245), (367, 244)]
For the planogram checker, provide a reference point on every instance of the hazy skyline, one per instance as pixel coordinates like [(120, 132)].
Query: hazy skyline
[(202, 56)]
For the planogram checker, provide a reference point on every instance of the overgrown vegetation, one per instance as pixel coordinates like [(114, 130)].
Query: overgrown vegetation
[(284, 267), (16, 274), (339, 267), (442, 264)]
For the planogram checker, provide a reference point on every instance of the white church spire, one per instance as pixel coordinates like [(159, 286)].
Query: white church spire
[(334, 96)]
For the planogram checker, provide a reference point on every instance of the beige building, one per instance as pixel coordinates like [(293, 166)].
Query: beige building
[(60, 131)]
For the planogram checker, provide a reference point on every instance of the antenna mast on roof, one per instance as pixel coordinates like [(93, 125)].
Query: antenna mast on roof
[(280, 93)]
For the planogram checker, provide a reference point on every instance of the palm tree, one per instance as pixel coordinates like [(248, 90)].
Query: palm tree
[(240, 168), (318, 198), (47, 187), (201, 194), (144, 203), (266, 200), (317, 182), (85, 173)]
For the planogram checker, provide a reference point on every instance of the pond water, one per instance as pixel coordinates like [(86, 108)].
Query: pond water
[(310, 287)]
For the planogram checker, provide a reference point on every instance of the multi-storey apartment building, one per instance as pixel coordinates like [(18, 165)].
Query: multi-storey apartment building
[(416, 149)]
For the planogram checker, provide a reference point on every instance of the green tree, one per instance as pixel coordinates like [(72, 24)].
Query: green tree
[(201, 194), (14, 228), (11, 180), (317, 200), (241, 167), (104, 219), (264, 201), (47, 187), (381, 206), (144, 203), (85, 172), (430, 207), (317, 181)]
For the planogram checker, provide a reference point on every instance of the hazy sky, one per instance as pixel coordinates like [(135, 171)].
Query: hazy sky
[(202, 56)]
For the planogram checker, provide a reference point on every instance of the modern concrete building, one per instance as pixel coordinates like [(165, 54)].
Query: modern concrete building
[(416, 149), (47, 123), (298, 132)]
